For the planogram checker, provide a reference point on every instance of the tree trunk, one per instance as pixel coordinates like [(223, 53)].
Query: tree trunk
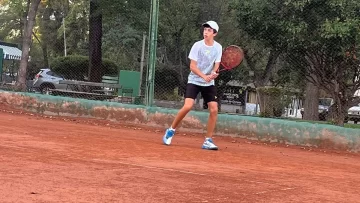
[(45, 54), (311, 105), (21, 80), (337, 111), (95, 36), (337, 114), (23, 21), (270, 101), (263, 80)]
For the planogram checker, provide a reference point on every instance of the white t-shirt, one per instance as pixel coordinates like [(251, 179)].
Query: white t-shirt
[(206, 57)]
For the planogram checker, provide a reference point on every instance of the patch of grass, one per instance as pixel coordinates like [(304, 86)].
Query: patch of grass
[(354, 126), (346, 125)]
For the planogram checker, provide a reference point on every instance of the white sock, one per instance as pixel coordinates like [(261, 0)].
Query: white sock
[(171, 128)]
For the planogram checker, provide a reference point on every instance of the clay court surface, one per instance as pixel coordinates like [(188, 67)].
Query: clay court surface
[(54, 159)]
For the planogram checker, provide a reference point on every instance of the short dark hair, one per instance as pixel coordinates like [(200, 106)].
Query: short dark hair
[(206, 25)]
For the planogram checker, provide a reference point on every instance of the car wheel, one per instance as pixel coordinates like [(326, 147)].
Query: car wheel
[(46, 88)]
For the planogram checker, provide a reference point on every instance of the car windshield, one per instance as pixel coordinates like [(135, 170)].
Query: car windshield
[(53, 74), (325, 101)]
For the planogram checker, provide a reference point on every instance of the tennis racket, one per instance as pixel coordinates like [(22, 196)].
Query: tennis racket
[(231, 58)]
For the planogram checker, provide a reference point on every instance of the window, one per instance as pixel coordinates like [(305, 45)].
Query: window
[(53, 74)]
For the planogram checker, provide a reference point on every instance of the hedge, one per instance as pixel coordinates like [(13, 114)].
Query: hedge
[(76, 67)]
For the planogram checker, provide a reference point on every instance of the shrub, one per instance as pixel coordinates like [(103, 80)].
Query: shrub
[(273, 101), (76, 67), (166, 80)]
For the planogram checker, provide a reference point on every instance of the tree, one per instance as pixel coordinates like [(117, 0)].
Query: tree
[(319, 33), (326, 35), (51, 17), (178, 30), (266, 39), (95, 39), (12, 18), (29, 21), (124, 24)]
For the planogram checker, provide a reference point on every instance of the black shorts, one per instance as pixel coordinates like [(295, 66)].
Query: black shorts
[(207, 92)]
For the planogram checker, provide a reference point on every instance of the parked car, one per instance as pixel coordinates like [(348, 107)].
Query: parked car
[(353, 114), (46, 80), (324, 105)]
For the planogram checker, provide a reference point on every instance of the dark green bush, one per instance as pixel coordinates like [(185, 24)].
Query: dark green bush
[(166, 80), (76, 67)]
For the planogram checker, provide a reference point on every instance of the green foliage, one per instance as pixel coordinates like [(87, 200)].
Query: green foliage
[(166, 80), (354, 126), (77, 28), (122, 43), (274, 100), (263, 21), (317, 37), (124, 23), (11, 19), (347, 125), (174, 96), (76, 67)]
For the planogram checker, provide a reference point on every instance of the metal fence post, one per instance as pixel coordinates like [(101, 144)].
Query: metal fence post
[(1, 63), (152, 55)]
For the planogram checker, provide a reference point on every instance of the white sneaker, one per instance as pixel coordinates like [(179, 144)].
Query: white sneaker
[(209, 144), (168, 136)]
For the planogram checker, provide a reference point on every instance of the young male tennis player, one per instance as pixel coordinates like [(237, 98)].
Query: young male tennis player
[(205, 56)]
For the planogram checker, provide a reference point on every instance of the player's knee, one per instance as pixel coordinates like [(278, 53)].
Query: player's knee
[(213, 109), (189, 103), (187, 107)]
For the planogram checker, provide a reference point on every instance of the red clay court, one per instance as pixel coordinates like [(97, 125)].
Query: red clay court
[(53, 159)]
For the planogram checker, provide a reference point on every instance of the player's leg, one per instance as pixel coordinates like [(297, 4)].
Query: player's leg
[(213, 109), (190, 95), (209, 94), (189, 103)]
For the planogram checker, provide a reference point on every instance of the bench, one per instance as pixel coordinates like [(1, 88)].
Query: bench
[(77, 94), (126, 94), (88, 90), (86, 86), (110, 81)]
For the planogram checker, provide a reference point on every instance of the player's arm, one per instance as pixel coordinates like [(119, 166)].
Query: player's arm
[(216, 67), (217, 64)]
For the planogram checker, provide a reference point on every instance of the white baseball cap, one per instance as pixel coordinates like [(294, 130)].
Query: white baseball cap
[(212, 24)]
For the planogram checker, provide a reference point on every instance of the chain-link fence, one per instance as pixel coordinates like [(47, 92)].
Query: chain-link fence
[(301, 57)]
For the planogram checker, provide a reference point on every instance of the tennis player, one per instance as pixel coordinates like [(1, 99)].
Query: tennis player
[(205, 56)]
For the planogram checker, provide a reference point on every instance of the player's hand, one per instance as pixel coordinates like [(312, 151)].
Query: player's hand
[(207, 78), (214, 75)]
